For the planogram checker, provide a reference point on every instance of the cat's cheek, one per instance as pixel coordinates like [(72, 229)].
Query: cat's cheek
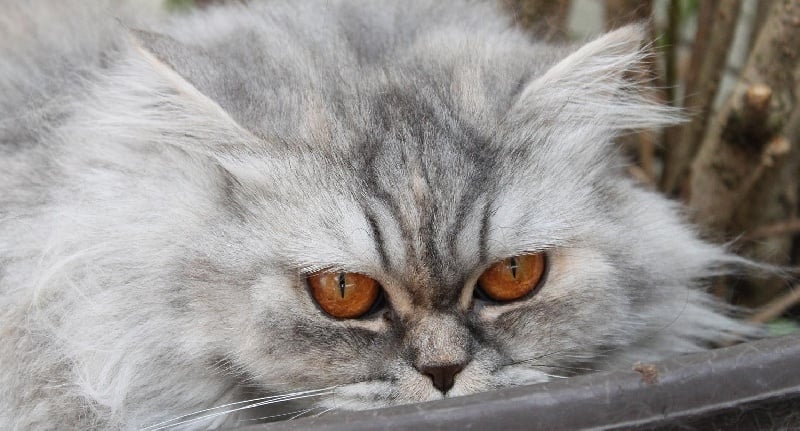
[(284, 322), (564, 316), (277, 294), (377, 326), (478, 375)]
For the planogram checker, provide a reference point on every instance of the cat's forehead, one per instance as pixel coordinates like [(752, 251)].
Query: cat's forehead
[(413, 176), (428, 184), (425, 171), (407, 182)]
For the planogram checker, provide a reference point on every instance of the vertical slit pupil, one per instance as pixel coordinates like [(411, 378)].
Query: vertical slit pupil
[(342, 284), (512, 262)]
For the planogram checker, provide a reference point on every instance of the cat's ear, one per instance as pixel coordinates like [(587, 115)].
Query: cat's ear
[(179, 66), (598, 84)]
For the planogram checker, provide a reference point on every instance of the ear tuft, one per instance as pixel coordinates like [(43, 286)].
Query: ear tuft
[(160, 51), (604, 57), (598, 84), (177, 113), (158, 44)]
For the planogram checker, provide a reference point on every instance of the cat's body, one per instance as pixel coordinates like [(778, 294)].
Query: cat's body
[(162, 197)]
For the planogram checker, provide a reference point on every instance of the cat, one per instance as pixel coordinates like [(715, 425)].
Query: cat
[(355, 203)]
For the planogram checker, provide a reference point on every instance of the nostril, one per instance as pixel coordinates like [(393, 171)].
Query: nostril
[(443, 376)]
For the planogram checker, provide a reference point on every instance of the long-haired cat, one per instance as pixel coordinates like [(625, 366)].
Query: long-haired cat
[(356, 203)]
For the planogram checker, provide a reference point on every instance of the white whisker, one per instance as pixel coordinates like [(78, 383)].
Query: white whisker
[(258, 402), (323, 412), (555, 376), (302, 413), (250, 406), (294, 412)]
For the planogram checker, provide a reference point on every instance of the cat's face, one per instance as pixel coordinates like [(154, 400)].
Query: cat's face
[(423, 206), (419, 188)]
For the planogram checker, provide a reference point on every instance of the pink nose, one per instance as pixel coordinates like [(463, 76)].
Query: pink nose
[(443, 376)]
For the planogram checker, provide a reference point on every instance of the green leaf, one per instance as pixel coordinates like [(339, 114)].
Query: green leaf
[(178, 5), (782, 327)]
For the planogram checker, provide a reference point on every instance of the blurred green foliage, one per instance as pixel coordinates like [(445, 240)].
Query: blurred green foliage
[(688, 7), (782, 327), (175, 5)]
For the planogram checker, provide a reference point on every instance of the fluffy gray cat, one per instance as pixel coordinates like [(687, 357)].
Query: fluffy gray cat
[(354, 203)]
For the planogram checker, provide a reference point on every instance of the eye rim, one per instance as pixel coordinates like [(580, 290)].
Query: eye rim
[(480, 294), (377, 306)]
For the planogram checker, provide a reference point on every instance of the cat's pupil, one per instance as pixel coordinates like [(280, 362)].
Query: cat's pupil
[(342, 284), (512, 263)]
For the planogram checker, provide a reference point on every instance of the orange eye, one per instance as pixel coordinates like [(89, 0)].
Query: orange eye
[(512, 278), (344, 295)]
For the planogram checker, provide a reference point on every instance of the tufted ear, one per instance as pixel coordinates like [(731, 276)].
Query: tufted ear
[(594, 85), (182, 105), (174, 61)]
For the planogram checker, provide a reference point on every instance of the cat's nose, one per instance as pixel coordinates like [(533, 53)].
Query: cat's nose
[(443, 376)]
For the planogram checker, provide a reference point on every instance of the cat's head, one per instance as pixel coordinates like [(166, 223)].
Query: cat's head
[(448, 219)]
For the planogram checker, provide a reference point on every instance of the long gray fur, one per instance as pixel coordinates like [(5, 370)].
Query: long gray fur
[(167, 182)]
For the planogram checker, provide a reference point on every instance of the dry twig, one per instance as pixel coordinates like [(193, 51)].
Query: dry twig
[(781, 228), (545, 18), (777, 306), (716, 24)]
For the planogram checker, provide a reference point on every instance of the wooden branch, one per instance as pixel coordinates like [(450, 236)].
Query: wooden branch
[(715, 29), (670, 48), (647, 154), (762, 10), (776, 148), (640, 175), (544, 18), (781, 228), (706, 14), (777, 307), (622, 12)]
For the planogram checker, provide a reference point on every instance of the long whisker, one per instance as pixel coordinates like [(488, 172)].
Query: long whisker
[(233, 404), (250, 406), (532, 362), (260, 402), (302, 413), (556, 376), (544, 355), (323, 412), (293, 412), (563, 367)]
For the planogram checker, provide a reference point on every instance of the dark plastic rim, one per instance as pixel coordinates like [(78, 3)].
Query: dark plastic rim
[(754, 385)]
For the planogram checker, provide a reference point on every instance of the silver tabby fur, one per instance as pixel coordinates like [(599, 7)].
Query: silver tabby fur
[(167, 182)]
